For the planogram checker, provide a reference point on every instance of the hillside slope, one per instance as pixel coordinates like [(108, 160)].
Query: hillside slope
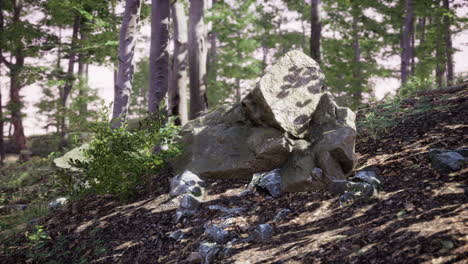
[(420, 216)]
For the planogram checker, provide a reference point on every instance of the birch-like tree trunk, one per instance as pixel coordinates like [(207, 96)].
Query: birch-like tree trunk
[(197, 50), (177, 102), (315, 31), (406, 41), (448, 44), (159, 56), (127, 41)]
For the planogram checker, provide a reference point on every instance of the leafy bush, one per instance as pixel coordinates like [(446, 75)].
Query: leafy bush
[(118, 160), (416, 84)]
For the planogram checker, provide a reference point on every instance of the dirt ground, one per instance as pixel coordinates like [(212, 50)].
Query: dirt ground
[(420, 216)]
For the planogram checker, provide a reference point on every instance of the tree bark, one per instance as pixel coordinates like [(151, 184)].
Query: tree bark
[(2, 143), (159, 56), (197, 56), (15, 86), (315, 31), (406, 41), (448, 44), (177, 102), (82, 73), (127, 41), (70, 80), (357, 73)]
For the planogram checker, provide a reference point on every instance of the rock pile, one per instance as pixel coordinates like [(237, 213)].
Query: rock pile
[(287, 126)]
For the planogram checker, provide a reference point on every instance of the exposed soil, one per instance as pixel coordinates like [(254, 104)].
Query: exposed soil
[(420, 216)]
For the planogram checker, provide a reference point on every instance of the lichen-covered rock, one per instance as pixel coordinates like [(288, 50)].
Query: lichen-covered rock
[(217, 234), (262, 232), (186, 182), (74, 154), (287, 95), (287, 122)]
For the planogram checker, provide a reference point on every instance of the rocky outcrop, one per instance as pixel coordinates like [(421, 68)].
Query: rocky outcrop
[(286, 123)]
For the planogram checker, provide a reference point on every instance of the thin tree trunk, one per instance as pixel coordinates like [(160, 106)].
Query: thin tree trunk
[(2, 142), (127, 41), (406, 41), (315, 31), (159, 56), (412, 48), (357, 74), (238, 90), (448, 44), (82, 73), (440, 49), (197, 56), (70, 80), (177, 102)]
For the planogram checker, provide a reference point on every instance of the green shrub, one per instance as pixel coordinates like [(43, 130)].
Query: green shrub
[(416, 84), (118, 160)]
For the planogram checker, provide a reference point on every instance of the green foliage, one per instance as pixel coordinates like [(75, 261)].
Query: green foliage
[(119, 160), (416, 84)]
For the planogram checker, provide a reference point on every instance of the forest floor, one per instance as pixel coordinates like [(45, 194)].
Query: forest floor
[(420, 216)]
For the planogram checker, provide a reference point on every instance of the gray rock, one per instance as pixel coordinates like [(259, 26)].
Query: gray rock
[(281, 215), (177, 235), (229, 211), (74, 154), (370, 177), (189, 202), (271, 181), (262, 232), (57, 203), (286, 96), (447, 161), (227, 250), (208, 251), (217, 234), (186, 182), (358, 189), (286, 122)]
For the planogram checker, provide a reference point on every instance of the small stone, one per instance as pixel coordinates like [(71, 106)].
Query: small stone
[(177, 235), (59, 202), (370, 177), (272, 182), (185, 183), (194, 258), (263, 232), (447, 162), (230, 211), (217, 234), (359, 189), (189, 202), (227, 251), (208, 251), (281, 215)]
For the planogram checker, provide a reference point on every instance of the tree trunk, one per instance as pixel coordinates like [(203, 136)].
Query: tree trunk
[(2, 143), (357, 74), (159, 56), (315, 31), (448, 44), (406, 41), (82, 73), (197, 56), (127, 41), (213, 52), (69, 82), (178, 84), (440, 49), (15, 86)]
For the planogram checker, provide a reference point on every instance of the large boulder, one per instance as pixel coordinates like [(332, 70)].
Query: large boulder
[(287, 95), (287, 122)]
